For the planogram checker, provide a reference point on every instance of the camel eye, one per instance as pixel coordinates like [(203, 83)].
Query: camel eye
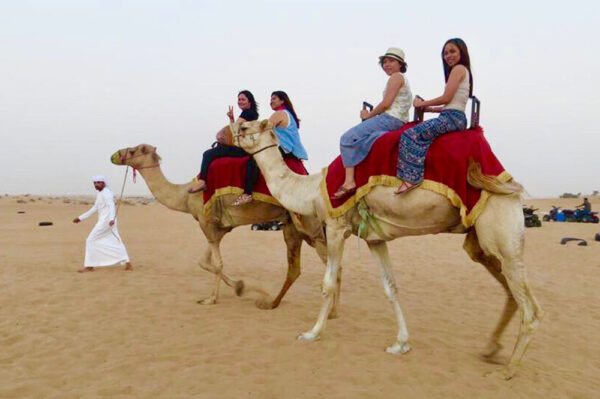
[(131, 152)]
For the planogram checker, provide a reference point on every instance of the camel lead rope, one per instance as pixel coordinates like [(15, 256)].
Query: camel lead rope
[(122, 189)]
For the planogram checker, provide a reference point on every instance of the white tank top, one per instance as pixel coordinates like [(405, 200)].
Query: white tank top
[(402, 103), (459, 101)]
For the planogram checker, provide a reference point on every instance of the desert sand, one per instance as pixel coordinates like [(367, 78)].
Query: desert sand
[(121, 334)]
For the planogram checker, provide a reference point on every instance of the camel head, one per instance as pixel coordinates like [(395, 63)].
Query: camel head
[(139, 157), (254, 136)]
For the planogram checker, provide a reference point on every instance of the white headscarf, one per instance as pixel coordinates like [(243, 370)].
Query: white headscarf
[(99, 178)]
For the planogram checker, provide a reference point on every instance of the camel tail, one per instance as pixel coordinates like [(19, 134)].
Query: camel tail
[(476, 178)]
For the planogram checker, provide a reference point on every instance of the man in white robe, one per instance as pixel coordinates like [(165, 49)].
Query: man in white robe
[(103, 246)]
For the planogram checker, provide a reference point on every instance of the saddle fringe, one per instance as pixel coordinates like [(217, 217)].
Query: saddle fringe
[(477, 179)]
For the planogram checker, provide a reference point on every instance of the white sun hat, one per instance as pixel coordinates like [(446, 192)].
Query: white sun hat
[(394, 52)]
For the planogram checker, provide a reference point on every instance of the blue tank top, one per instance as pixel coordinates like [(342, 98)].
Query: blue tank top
[(289, 138)]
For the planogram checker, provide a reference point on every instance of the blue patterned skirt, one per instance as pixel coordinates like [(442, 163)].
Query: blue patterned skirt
[(356, 143), (415, 142)]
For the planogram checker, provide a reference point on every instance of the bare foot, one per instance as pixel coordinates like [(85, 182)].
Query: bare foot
[(128, 267), (85, 269)]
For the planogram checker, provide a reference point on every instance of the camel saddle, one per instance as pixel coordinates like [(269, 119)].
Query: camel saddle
[(226, 176), (446, 167)]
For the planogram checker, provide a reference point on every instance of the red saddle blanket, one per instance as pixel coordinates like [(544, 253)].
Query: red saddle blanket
[(226, 176), (445, 171)]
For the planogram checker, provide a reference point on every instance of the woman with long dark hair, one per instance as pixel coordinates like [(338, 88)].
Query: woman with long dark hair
[(285, 124), (224, 148), (451, 105)]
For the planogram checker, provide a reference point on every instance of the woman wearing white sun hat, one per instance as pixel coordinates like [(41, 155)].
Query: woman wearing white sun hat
[(390, 114)]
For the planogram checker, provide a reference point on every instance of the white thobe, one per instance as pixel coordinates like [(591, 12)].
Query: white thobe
[(104, 246)]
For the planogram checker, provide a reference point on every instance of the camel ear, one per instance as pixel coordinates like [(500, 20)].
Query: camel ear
[(265, 124)]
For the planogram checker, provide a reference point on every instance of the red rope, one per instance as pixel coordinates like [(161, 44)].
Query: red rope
[(142, 167)]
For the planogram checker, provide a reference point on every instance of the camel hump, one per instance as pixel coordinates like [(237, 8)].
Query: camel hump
[(477, 179)]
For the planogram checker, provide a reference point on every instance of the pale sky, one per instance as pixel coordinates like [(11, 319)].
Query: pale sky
[(80, 79)]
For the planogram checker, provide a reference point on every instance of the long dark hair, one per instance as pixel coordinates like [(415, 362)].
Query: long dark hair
[(250, 97), (464, 60), (288, 104)]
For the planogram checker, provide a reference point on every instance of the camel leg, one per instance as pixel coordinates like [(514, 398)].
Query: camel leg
[(500, 233), (321, 248), (336, 235), (206, 263), (380, 251), (293, 241), (492, 264), (218, 263)]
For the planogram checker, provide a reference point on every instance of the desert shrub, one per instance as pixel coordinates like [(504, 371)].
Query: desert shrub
[(570, 195)]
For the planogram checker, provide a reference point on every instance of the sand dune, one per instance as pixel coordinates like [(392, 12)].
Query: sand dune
[(112, 333)]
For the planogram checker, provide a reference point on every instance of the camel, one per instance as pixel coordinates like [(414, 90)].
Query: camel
[(222, 219), (496, 239)]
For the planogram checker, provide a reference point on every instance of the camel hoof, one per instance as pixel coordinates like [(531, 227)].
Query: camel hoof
[(308, 336), (398, 348), (504, 374), (333, 315), (264, 304), (491, 351), (208, 301), (239, 288)]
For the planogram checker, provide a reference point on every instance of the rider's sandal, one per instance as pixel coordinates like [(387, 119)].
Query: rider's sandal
[(400, 191), (242, 199), (343, 192), (197, 189)]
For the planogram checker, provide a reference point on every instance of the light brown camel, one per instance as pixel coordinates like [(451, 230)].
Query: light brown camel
[(221, 220), (496, 239)]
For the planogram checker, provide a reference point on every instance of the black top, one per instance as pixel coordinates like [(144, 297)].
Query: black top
[(249, 115), (587, 206)]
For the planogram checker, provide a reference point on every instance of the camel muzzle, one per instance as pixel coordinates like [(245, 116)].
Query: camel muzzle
[(116, 159)]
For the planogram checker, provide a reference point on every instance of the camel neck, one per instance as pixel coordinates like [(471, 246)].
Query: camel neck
[(173, 196), (295, 192)]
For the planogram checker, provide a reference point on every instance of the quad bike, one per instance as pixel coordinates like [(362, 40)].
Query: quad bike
[(553, 214), (531, 219), (583, 216), (273, 226), (568, 215)]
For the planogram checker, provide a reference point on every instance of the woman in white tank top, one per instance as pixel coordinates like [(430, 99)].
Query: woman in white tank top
[(390, 114), (415, 142)]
